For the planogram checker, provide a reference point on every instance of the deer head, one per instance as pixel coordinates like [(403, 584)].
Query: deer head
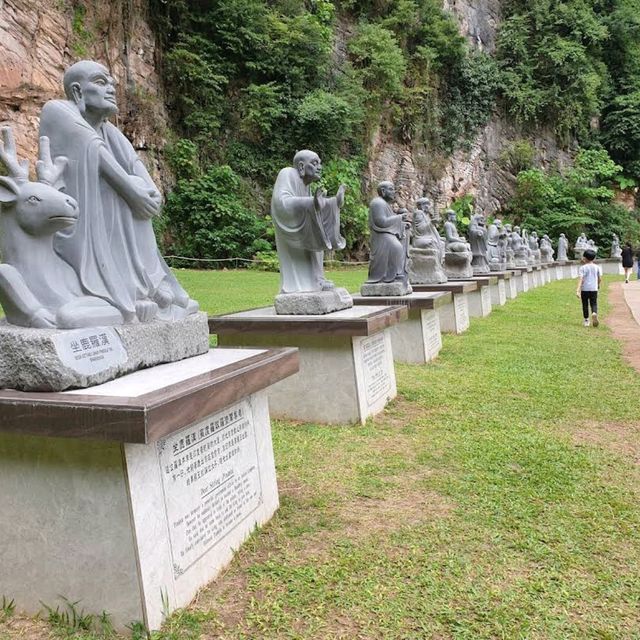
[(40, 208)]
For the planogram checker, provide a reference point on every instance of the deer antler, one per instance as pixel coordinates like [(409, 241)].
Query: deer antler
[(47, 171), (18, 169)]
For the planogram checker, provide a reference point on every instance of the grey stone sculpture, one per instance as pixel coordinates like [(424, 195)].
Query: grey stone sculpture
[(426, 254), (520, 249), (389, 241), (592, 245), (563, 247), (534, 246), (580, 246), (306, 225), (508, 249), (112, 248), (478, 242), (616, 249), (496, 246), (37, 288), (458, 256), (546, 250)]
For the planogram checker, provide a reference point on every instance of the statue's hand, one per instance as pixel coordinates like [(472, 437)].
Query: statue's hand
[(340, 195), (318, 198), (145, 201)]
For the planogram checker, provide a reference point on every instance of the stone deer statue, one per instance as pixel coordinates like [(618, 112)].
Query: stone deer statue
[(37, 288)]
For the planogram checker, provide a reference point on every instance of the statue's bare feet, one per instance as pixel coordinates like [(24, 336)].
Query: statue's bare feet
[(163, 296), (327, 285), (43, 319), (146, 310)]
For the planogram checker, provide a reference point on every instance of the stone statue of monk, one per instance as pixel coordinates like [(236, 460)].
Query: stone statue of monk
[(112, 248)]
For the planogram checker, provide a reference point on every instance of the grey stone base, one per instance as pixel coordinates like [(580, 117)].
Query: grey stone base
[(312, 303), (385, 289), (498, 266), (425, 267), (38, 359), (457, 266)]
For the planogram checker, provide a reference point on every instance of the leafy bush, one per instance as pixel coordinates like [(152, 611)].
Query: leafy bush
[(210, 217)]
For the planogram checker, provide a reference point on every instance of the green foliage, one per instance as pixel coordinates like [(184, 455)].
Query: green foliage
[(580, 199), (518, 156), (211, 217), (354, 216), (70, 621), (463, 207), (7, 608)]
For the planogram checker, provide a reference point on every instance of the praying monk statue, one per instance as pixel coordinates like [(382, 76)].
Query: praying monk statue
[(112, 248), (306, 225)]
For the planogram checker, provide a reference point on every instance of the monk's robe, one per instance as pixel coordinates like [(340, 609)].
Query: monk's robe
[(303, 233), (113, 252), (387, 260)]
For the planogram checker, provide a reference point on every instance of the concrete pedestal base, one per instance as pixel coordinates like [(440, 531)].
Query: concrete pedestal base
[(416, 340), (512, 287), (454, 317), (523, 282), (611, 266), (480, 302), (559, 270), (346, 361), (499, 293), (160, 478)]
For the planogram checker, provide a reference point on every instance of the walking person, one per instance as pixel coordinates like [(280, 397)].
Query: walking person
[(589, 280), (627, 260)]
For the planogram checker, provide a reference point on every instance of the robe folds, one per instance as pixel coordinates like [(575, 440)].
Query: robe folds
[(113, 251), (388, 242), (303, 233)]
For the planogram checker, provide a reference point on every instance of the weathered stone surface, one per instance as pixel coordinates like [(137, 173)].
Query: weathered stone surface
[(312, 303), (457, 266), (385, 289), (38, 41), (425, 267), (29, 359)]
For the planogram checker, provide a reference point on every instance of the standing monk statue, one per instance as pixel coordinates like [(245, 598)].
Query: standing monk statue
[(112, 248), (306, 225), (388, 274)]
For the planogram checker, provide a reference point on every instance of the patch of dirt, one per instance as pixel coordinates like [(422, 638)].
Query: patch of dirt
[(623, 325), (621, 438), (23, 628)]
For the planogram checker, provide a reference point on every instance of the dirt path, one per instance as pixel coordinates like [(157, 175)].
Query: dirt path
[(621, 320)]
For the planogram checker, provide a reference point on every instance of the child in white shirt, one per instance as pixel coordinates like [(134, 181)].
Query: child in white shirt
[(590, 277)]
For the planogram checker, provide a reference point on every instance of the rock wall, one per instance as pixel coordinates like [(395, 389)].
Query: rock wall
[(479, 170), (40, 38)]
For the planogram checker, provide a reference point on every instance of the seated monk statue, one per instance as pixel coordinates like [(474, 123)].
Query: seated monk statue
[(453, 242), (424, 232), (112, 247)]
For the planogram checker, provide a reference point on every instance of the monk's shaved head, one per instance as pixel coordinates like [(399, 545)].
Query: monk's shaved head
[(81, 71)]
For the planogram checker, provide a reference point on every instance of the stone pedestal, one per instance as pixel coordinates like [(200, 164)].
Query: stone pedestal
[(499, 293), (573, 269), (480, 265), (57, 359), (522, 279), (480, 300), (346, 363), (454, 316), (512, 287), (416, 340), (385, 289), (559, 271), (308, 303), (425, 267), (457, 266), (131, 496), (611, 266)]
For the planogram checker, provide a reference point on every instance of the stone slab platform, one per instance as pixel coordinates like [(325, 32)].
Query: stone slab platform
[(135, 408), (453, 286), (346, 361), (159, 479), (418, 339)]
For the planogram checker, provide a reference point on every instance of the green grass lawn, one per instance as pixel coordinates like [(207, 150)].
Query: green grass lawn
[(497, 497)]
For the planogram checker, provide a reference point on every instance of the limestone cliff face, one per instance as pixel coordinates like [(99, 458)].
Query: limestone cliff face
[(40, 38), (479, 170)]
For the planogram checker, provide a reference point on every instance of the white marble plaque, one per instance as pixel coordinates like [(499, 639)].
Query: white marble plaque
[(502, 292), (431, 333), (574, 271), (461, 310), (525, 281), (377, 381), (89, 351), (513, 287), (210, 480), (485, 300)]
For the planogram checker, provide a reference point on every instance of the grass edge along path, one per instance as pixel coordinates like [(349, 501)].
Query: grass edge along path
[(497, 497)]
